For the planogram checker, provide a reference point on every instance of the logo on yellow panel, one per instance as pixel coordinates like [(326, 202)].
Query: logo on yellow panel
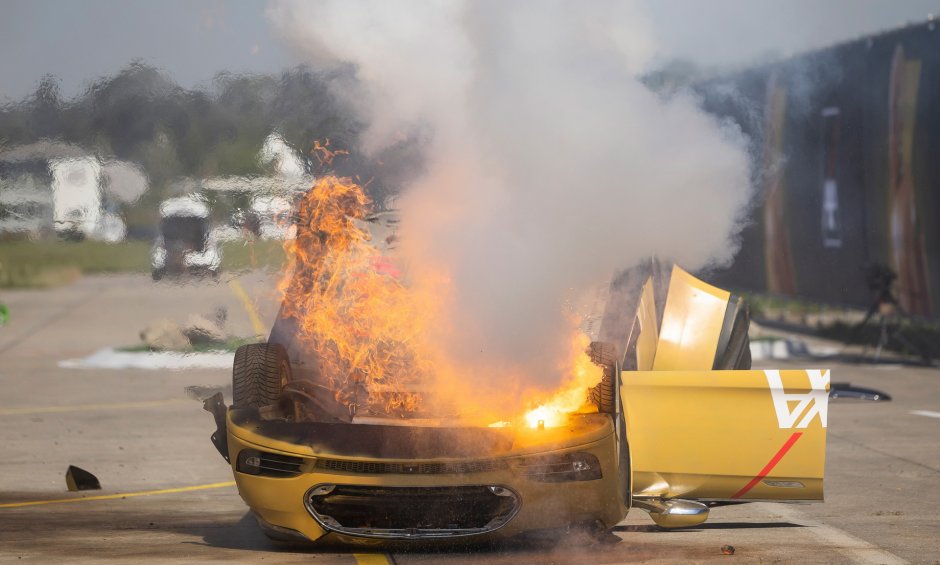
[(805, 406)]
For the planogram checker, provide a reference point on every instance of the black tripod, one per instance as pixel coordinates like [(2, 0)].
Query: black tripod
[(880, 281)]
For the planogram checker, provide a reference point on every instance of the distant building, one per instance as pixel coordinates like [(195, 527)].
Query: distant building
[(846, 140), (51, 188)]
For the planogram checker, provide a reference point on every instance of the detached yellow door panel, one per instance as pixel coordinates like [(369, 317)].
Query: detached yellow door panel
[(727, 435), (692, 321), (646, 340)]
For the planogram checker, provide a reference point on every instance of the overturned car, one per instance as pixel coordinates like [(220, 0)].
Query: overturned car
[(678, 424)]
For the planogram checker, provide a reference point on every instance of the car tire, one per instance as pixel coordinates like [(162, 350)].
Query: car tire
[(259, 373), (604, 395)]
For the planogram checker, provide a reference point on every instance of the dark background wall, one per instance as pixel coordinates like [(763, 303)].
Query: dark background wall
[(854, 173)]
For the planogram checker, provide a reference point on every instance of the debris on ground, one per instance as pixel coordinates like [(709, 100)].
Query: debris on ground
[(203, 392), (846, 390), (200, 330), (77, 479), (727, 550), (164, 335)]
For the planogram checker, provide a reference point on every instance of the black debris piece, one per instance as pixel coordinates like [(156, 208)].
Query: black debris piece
[(79, 479), (846, 390)]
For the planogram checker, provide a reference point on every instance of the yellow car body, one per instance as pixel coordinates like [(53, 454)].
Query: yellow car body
[(681, 438)]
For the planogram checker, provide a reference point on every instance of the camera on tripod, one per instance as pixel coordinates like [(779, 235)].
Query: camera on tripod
[(880, 280)]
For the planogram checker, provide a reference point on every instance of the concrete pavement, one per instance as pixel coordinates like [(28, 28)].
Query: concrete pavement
[(139, 432)]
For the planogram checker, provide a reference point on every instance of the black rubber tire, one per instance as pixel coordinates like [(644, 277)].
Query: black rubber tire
[(604, 395), (259, 373)]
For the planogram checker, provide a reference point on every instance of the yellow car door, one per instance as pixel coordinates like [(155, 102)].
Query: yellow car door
[(727, 435)]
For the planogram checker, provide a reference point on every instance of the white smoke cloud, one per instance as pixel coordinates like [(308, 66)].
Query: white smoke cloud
[(550, 165)]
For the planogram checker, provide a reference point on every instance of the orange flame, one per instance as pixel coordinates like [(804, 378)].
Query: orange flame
[(359, 320), (366, 328), (572, 396), (324, 154)]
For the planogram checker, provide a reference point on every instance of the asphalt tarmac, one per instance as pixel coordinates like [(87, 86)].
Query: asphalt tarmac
[(168, 496)]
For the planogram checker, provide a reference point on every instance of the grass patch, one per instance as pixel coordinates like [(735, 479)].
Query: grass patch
[(910, 337), (769, 306), (230, 346), (765, 338), (42, 264), (259, 254), (28, 276)]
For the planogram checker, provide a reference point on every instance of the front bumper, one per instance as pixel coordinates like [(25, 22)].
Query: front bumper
[(451, 498)]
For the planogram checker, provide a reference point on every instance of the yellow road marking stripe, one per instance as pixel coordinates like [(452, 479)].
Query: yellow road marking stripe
[(239, 291), (371, 559), (92, 407), (118, 496)]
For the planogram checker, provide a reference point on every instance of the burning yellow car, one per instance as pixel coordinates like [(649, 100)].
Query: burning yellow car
[(678, 424)]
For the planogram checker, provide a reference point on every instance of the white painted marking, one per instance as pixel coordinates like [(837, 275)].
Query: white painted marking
[(856, 549), (927, 413), (817, 399), (108, 358)]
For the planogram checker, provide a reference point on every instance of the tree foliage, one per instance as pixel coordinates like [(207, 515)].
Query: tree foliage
[(141, 115)]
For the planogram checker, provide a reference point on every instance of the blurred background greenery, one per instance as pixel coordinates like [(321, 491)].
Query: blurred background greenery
[(39, 264), (178, 138)]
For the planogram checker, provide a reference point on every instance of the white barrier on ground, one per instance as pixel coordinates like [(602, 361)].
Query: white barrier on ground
[(109, 358)]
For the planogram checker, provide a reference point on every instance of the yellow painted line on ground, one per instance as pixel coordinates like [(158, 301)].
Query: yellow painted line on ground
[(239, 291), (371, 559), (118, 496), (92, 407)]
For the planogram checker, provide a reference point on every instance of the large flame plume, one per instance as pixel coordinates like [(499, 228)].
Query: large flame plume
[(354, 314), (366, 327), (570, 397)]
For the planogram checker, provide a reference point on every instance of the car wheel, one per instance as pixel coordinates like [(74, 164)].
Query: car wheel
[(604, 395), (157, 274), (259, 373)]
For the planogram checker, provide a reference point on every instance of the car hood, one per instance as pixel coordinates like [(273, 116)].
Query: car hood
[(412, 442)]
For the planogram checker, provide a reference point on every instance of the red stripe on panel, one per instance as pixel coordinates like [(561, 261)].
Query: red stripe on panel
[(769, 466)]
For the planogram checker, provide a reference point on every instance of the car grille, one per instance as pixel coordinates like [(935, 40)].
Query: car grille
[(411, 512), (421, 468)]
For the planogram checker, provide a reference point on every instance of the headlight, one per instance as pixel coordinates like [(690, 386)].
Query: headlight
[(266, 464), (249, 462), (560, 468)]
